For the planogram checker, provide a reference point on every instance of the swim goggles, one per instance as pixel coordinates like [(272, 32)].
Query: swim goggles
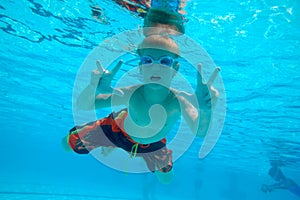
[(164, 60)]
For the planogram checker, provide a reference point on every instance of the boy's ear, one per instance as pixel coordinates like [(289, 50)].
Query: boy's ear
[(176, 66), (140, 67)]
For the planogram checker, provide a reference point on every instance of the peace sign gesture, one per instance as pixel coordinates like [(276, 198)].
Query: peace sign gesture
[(206, 94), (102, 78)]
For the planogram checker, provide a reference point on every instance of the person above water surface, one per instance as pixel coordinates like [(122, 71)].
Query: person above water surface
[(165, 17), (282, 182), (160, 16), (141, 7), (151, 108)]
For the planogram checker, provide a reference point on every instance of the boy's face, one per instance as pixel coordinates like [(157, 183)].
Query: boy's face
[(157, 66)]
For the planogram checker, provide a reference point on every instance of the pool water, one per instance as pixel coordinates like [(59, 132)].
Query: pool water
[(44, 43)]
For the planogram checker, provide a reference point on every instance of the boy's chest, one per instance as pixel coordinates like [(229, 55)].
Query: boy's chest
[(156, 120), (143, 114)]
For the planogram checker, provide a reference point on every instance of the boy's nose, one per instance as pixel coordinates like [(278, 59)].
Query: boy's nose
[(158, 65)]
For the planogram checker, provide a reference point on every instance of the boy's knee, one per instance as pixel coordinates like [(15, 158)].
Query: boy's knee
[(72, 142), (65, 144), (164, 177)]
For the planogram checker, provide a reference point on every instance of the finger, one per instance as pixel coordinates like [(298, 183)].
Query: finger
[(99, 67), (214, 91), (213, 76), (199, 75), (117, 67), (211, 97)]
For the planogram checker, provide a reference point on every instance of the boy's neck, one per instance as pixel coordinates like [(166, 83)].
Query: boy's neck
[(154, 94)]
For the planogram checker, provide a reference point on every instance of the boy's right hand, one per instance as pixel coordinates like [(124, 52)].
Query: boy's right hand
[(206, 94), (102, 78)]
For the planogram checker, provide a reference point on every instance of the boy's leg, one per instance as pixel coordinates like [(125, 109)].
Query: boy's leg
[(160, 162), (164, 177), (105, 151), (65, 143)]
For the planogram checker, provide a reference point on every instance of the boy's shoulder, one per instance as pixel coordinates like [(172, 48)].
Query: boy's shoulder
[(127, 90)]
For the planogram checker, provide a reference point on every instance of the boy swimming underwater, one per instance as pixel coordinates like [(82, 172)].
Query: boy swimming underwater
[(152, 108)]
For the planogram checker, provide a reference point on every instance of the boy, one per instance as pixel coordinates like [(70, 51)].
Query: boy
[(152, 108)]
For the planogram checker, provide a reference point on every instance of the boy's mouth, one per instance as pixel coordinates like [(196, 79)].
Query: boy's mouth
[(155, 78)]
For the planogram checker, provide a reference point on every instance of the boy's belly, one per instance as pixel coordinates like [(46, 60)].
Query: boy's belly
[(147, 131), (147, 127), (145, 134)]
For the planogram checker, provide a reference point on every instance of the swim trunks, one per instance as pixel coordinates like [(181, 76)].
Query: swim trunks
[(109, 132)]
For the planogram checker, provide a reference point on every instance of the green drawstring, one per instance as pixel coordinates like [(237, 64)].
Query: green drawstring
[(76, 131), (134, 150), (133, 153)]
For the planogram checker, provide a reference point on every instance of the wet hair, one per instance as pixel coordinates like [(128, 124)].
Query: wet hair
[(159, 42)]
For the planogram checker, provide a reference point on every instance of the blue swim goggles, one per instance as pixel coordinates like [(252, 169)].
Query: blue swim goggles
[(164, 60)]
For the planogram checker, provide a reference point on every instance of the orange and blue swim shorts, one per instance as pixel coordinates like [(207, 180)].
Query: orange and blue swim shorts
[(108, 132)]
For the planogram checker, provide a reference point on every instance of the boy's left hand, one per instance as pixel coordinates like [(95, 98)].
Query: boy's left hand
[(206, 94)]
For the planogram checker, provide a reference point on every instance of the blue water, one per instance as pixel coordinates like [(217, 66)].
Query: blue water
[(43, 45)]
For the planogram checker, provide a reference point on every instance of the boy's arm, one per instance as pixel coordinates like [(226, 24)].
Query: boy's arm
[(197, 119), (286, 183), (101, 81), (118, 96), (197, 107), (279, 185), (270, 188)]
